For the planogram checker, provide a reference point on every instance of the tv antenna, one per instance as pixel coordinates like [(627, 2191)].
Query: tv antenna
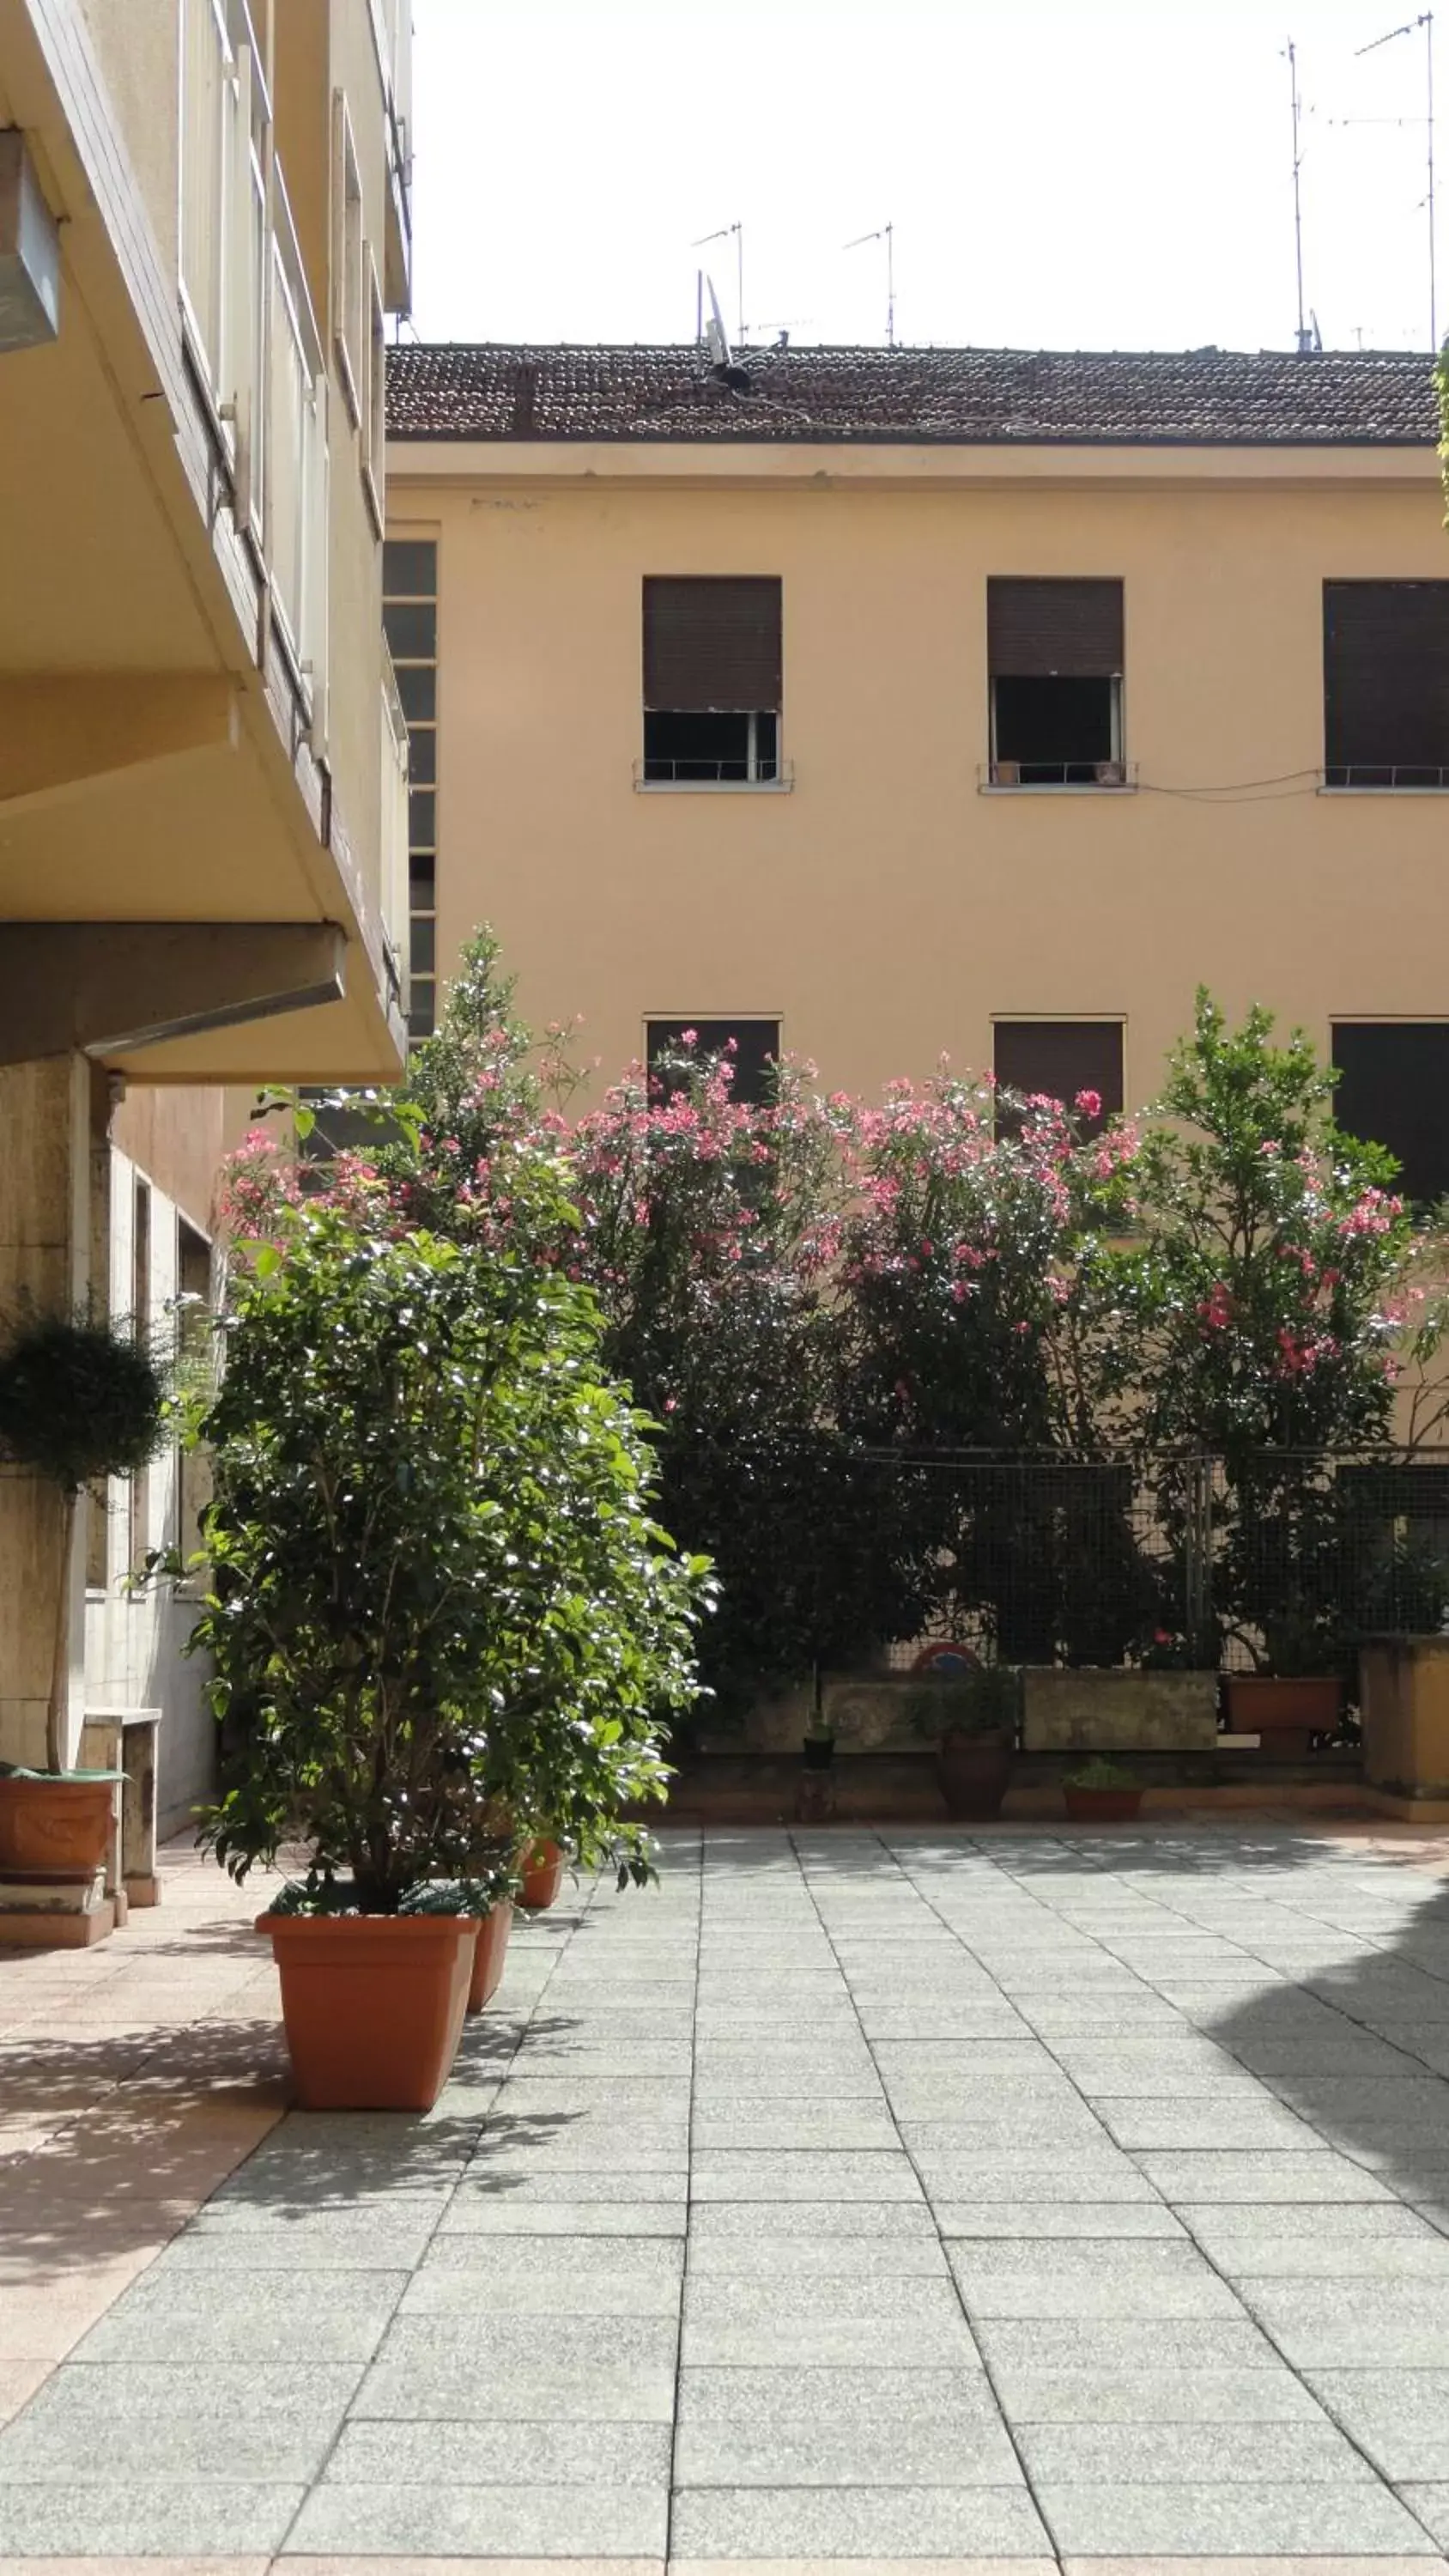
[(736, 234), (884, 233), (1305, 335), (1411, 27)]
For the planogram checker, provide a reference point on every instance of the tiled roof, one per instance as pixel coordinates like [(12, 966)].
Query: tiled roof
[(966, 397)]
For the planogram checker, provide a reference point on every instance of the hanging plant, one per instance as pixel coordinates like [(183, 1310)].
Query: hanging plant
[(80, 1399)]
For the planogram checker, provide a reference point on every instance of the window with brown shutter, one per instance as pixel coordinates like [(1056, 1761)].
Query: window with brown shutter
[(1393, 1089), (1386, 683), (1061, 1058), (712, 680), (1055, 656), (753, 1047)]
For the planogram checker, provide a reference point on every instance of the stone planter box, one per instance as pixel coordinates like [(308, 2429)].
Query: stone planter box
[(1101, 1711), (1404, 1709), (867, 1713)]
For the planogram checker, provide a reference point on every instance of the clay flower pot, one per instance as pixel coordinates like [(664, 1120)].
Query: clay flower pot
[(56, 1825), (818, 1752), (372, 2004), (974, 1771), (489, 1954), (1101, 1806), (542, 1872), (1284, 1709)]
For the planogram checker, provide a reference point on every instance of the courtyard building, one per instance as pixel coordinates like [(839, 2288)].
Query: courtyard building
[(204, 220), (867, 704)]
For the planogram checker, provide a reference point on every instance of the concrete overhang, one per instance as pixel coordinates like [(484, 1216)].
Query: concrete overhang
[(155, 762)]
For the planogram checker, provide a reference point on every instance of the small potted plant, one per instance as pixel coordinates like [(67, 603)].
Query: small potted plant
[(972, 1718), (81, 1398), (541, 1869), (1102, 1793)]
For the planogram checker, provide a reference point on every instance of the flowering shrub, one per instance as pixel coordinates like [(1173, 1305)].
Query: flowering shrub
[(968, 1267), (709, 1227), (1266, 1313)]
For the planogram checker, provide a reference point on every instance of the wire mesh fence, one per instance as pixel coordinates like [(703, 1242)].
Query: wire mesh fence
[(1271, 1557)]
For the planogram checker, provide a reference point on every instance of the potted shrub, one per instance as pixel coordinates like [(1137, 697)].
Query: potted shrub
[(973, 1724), (80, 1399), (1102, 1793), (436, 1596)]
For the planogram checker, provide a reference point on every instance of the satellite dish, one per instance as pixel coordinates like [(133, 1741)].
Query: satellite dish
[(715, 334)]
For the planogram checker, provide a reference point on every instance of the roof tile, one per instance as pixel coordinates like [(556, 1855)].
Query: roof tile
[(961, 397)]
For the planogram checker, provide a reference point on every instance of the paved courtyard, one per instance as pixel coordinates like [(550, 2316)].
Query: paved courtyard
[(1016, 2196)]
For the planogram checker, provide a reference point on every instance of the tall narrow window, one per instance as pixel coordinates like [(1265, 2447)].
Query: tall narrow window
[(141, 1328), (1393, 1089), (349, 264), (1062, 1059), (196, 1354), (1386, 683), (753, 1047), (1054, 651), (410, 617), (712, 682), (374, 426)]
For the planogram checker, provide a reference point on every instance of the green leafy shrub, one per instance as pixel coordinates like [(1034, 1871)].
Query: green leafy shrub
[(441, 1613)]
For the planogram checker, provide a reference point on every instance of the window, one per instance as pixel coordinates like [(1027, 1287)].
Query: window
[(1386, 683), (755, 1044), (1393, 1089), (196, 1365), (349, 265), (1061, 1058), (712, 674), (1054, 652), (142, 1326), (410, 618), (374, 437)]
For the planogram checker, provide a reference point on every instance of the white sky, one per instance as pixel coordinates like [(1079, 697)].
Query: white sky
[(1060, 173)]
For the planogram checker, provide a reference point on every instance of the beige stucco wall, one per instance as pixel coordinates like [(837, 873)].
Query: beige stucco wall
[(137, 44), (884, 908)]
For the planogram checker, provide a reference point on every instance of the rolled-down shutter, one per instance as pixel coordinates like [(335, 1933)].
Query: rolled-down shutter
[(1386, 674), (1061, 1058), (1054, 630), (712, 645)]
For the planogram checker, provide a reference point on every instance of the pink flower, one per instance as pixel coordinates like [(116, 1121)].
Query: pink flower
[(1089, 1103)]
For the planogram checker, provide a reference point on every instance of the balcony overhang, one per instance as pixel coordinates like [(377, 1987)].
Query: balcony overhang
[(109, 988), (157, 764)]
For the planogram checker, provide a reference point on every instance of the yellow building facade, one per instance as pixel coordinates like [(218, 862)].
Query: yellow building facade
[(1073, 683), (204, 222)]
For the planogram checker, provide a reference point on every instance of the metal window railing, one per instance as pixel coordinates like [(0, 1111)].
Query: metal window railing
[(1390, 776), (741, 771), (1109, 774)]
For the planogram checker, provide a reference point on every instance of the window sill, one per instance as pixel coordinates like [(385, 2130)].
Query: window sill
[(1063, 787), (1399, 794), (714, 786)]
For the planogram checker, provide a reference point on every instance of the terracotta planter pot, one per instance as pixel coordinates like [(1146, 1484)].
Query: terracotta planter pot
[(372, 2004), (1284, 1710), (1102, 1806), (818, 1752), (55, 1827), (489, 1954), (974, 1771), (542, 1868)]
